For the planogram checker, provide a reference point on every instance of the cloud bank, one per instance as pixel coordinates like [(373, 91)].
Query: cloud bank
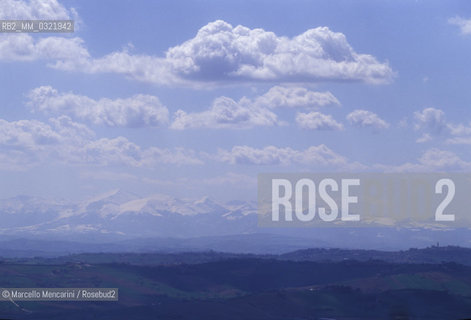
[(34, 9), (26, 143), (463, 24), (366, 119), (219, 53), (136, 111), (317, 121), (271, 155)]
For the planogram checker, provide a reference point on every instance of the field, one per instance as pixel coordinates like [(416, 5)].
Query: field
[(212, 285)]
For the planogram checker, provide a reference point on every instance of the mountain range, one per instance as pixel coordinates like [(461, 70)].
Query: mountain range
[(126, 214), (121, 220)]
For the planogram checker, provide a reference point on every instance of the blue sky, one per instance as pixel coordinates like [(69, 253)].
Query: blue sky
[(193, 98)]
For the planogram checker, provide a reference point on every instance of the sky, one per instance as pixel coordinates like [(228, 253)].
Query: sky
[(195, 98)]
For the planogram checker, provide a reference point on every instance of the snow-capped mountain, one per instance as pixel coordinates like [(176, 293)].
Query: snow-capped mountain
[(124, 213)]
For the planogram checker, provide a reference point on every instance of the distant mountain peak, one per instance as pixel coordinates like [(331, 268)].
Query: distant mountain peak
[(122, 212), (116, 196)]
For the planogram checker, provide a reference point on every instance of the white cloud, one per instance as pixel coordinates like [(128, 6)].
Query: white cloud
[(65, 53), (221, 52), (218, 53), (34, 9), (120, 151), (295, 97), (460, 129), (431, 160), (104, 151), (432, 122), (317, 121), (463, 24), (146, 110), (271, 155), (459, 140), (251, 112), (364, 118), (436, 158), (27, 143), (36, 135), (144, 68), (225, 113), (175, 156), (430, 119), (136, 111), (424, 138)]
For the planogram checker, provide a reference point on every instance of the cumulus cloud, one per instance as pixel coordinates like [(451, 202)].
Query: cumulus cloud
[(251, 112), (463, 24), (146, 110), (34, 9), (430, 119), (364, 118), (317, 121), (432, 123), (461, 133), (63, 53), (431, 160), (459, 140), (26, 143), (121, 151), (225, 113), (218, 53), (460, 129), (136, 111), (437, 158), (424, 138), (295, 97), (271, 155)]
